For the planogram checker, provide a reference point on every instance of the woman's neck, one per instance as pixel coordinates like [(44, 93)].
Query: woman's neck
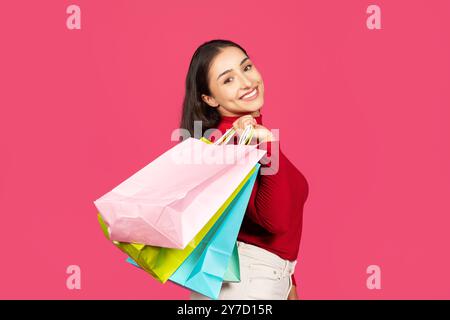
[(229, 120), (228, 114)]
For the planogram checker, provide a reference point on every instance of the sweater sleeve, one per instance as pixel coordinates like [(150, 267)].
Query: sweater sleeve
[(274, 199)]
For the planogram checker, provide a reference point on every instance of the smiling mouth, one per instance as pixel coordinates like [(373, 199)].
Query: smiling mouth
[(251, 95)]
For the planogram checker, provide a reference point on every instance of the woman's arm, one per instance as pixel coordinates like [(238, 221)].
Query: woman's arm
[(276, 199)]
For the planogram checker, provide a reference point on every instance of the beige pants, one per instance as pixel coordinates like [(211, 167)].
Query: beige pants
[(264, 276)]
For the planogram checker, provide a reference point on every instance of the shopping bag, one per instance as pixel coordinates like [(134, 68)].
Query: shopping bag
[(170, 200), (204, 269), (232, 274), (162, 262)]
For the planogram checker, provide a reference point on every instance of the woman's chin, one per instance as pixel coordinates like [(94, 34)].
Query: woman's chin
[(255, 108), (252, 106)]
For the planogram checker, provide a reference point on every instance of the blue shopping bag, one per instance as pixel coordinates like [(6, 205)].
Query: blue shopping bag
[(232, 274), (203, 271), (215, 259)]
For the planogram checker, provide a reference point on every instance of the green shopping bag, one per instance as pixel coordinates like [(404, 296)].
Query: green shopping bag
[(233, 273)]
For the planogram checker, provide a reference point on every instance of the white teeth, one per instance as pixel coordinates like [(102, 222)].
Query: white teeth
[(251, 94)]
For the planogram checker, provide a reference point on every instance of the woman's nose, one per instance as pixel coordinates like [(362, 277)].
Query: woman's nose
[(246, 82)]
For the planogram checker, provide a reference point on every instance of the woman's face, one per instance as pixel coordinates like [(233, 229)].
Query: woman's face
[(236, 86)]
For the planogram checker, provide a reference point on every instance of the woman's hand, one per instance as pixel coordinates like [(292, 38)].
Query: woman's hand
[(260, 132), (242, 122), (293, 293)]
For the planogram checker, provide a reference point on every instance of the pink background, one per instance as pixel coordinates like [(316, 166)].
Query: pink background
[(364, 114)]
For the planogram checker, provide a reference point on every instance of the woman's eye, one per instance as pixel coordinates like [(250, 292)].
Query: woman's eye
[(247, 67)]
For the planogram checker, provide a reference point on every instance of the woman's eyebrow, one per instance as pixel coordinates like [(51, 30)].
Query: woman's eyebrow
[(229, 70)]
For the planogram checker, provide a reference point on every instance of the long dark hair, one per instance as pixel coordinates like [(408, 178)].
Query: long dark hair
[(194, 108)]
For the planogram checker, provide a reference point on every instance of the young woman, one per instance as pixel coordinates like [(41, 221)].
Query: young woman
[(224, 90)]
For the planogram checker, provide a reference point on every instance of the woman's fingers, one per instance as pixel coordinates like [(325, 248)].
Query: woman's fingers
[(247, 122), (262, 134), (244, 121), (241, 123), (293, 294)]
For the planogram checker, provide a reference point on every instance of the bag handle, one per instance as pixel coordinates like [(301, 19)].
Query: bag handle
[(245, 138)]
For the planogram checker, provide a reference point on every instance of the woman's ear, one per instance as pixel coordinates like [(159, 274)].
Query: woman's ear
[(210, 101)]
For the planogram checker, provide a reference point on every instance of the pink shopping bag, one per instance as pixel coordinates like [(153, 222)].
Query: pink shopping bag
[(167, 202)]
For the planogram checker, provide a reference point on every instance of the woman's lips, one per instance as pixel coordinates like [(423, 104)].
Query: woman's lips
[(252, 95)]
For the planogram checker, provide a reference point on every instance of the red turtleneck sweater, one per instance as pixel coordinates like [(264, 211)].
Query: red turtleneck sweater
[(273, 220)]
